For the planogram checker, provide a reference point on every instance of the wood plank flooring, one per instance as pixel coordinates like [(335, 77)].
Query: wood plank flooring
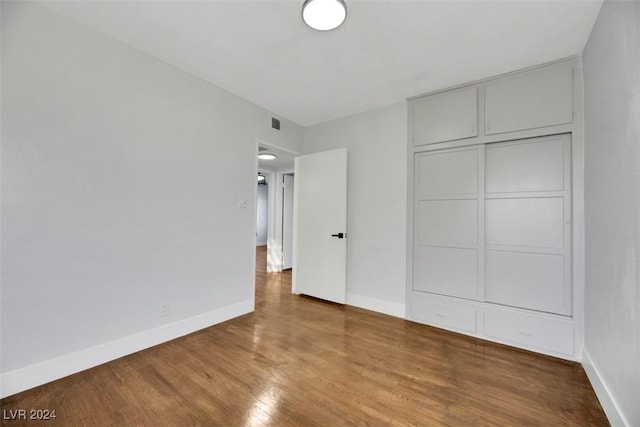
[(303, 362)]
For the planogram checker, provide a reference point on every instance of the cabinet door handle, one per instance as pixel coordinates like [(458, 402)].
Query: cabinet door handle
[(442, 316), (473, 127), (488, 124), (526, 334)]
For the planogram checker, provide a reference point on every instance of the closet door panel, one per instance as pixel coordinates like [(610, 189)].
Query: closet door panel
[(527, 224), (532, 166), (527, 280), (448, 222), (530, 222), (445, 116), (446, 174), (447, 271), (446, 225), (529, 100)]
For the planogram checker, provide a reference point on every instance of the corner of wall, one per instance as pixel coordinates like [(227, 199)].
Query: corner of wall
[(607, 400)]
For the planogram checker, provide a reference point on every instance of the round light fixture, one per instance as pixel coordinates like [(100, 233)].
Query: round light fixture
[(266, 156), (324, 15), (261, 178)]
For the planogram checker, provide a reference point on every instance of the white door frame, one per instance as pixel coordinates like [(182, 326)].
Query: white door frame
[(287, 226), (274, 209)]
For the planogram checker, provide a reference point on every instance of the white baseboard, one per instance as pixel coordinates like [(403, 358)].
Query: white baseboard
[(22, 379), (608, 402), (375, 304)]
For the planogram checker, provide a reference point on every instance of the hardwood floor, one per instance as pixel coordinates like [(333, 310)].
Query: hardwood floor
[(300, 361)]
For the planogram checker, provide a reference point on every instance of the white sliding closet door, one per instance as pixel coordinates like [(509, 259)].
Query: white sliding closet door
[(493, 223), (528, 224), (447, 257)]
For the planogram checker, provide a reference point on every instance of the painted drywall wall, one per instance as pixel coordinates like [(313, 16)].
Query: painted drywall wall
[(612, 210), (261, 215), (377, 203), (121, 183)]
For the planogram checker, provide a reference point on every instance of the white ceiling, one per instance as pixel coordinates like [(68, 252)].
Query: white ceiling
[(386, 50)]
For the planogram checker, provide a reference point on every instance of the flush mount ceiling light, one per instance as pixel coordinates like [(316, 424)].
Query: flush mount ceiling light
[(324, 15), (266, 156)]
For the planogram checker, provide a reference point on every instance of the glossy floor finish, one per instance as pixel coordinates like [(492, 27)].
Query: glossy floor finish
[(303, 362)]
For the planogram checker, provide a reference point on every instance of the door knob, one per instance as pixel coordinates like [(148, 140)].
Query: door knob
[(339, 235)]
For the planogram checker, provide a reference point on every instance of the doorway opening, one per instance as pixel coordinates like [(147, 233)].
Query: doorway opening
[(274, 209), (315, 193)]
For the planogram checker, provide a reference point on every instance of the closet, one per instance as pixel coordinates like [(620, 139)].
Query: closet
[(492, 231)]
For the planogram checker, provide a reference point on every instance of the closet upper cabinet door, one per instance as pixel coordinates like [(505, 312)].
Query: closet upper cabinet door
[(529, 100), (445, 116)]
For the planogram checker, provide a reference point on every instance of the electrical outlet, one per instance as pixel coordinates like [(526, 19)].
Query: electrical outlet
[(164, 310)]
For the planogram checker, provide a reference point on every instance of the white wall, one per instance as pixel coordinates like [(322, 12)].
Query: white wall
[(121, 180), (612, 209), (377, 209), (261, 213)]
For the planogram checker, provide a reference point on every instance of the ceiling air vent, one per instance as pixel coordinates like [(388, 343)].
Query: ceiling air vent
[(275, 123)]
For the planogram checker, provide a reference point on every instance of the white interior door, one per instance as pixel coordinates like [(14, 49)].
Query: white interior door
[(320, 225), (287, 221)]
